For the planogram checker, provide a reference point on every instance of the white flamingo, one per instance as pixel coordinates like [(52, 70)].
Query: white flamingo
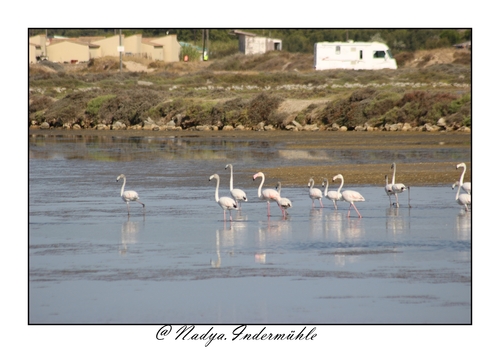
[(283, 202), (331, 195), (314, 193), (128, 195), (266, 194), (226, 203), (238, 194), (467, 187), (388, 189), (396, 188), (463, 199), (350, 196)]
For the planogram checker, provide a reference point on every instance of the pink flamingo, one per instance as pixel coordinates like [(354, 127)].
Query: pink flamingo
[(314, 193), (397, 188), (283, 202), (331, 195), (467, 187), (226, 203), (266, 194), (350, 196), (238, 194), (463, 199), (128, 195), (388, 189)]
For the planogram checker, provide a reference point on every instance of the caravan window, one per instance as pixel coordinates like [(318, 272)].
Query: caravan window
[(379, 54), (389, 54), (360, 55), (337, 49)]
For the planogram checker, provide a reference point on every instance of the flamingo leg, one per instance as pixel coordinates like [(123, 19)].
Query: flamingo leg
[(128, 208), (268, 208), (349, 211), (143, 205), (359, 214), (397, 200), (335, 204), (321, 203)]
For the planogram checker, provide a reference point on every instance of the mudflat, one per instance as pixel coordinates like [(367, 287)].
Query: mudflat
[(412, 174)]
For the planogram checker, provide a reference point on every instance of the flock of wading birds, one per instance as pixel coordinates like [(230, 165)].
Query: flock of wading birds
[(351, 196)]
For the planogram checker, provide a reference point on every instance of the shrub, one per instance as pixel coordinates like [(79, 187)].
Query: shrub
[(94, 105)]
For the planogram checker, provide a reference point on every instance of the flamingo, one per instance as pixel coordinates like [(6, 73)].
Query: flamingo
[(226, 203), (128, 195), (388, 189), (463, 199), (314, 193), (350, 196), (266, 194), (467, 187), (396, 188), (332, 195), (237, 194), (283, 202)]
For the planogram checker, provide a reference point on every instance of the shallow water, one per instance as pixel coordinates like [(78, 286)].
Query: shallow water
[(177, 261)]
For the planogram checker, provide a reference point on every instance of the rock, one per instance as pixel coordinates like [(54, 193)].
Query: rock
[(66, 126), (343, 128), (269, 128), (76, 127), (151, 127), (144, 83), (171, 123), (44, 125), (297, 125), (228, 127), (441, 122), (260, 126), (359, 128), (202, 128), (118, 125), (335, 127), (291, 128), (239, 127), (311, 127), (406, 127), (102, 127)]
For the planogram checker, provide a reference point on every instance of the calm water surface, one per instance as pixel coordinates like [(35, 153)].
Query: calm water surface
[(177, 261)]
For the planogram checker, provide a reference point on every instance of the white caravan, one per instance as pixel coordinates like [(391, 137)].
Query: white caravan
[(353, 56)]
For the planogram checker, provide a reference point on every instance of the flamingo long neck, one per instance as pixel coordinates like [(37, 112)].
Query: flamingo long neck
[(231, 179), (386, 180), (123, 186), (326, 187), (458, 191), (312, 184), (279, 189), (462, 176), (259, 192), (341, 184), (217, 190), (394, 175)]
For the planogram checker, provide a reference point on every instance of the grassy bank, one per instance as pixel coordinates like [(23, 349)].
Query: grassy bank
[(249, 90)]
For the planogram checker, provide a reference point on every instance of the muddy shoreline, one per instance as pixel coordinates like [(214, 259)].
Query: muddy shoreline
[(411, 174)]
